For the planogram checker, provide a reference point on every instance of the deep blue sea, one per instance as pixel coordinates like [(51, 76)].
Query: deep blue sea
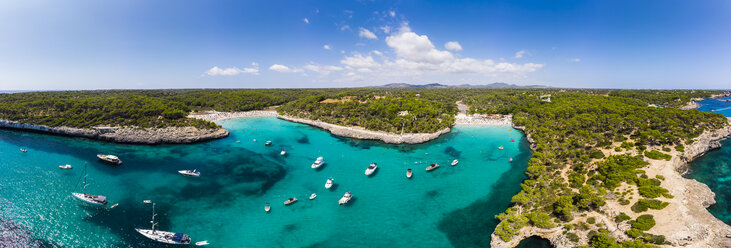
[(714, 169), (449, 207)]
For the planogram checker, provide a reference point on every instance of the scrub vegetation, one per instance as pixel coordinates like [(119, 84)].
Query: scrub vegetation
[(567, 175)]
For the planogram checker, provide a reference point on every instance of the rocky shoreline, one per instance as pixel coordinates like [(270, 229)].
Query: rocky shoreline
[(685, 222), (127, 135), (693, 104)]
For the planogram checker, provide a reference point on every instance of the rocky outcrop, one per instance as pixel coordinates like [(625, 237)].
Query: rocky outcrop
[(685, 222), (361, 133), (130, 135)]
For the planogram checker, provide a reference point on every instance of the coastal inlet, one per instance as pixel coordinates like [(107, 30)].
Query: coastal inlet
[(225, 206)]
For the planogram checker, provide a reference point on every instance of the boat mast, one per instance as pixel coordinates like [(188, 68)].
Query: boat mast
[(153, 218), (84, 190)]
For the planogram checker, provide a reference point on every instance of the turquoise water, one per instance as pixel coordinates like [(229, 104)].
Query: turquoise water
[(714, 169), (451, 206)]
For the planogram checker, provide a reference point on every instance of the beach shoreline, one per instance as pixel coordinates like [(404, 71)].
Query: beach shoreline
[(362, 133)]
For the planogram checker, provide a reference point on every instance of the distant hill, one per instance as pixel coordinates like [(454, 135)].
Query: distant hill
[(498, 85)]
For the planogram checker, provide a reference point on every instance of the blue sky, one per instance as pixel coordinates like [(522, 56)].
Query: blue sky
[(56, 45)]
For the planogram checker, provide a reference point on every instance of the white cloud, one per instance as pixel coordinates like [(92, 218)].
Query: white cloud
[(576, 60), (365, 33), (385, 29), (520, 54), (284, 68), (417, 48), (453, 45), (307, 21), (414, 58), (344, 27), (326, 47), (358, 60), (232, 71), (323, 69), (392, 13)]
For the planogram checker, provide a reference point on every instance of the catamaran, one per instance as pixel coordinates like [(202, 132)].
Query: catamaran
[(190, 173), (163, 236), (345, 199), (371, 168), (318, 163), (329, 182), (89, 198), (109, 158)]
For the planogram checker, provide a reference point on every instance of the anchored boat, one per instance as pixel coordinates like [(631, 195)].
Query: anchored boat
[(268, 143), (371, 168), (408, 173), (267, 208), (283, 152), (190, 173), (455, 162), (65, 167), (290, 201), (329, 182), (109, 159), (345, 199), (312, 196), (318, 163), (432, 167), (89, 198), (163, 236)]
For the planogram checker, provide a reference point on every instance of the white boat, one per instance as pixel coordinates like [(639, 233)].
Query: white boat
[(408, 173), (329, 182), (66, 167), (202, 243), (268, 143), (312, 196), (318, 163), (190, 173), (163, 236), (110, 159), (432, 167), (283, 152), (345, 199), (89, 198), (290, 201), (23, 150), (455, 162), (371, 168), (267, 208)]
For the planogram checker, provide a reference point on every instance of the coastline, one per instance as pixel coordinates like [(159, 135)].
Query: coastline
[(693, 104), (684, 222), (126, 135), (362, 133)]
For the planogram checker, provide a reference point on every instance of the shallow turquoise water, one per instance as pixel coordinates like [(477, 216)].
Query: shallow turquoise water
[(714, 169), (451, 206)]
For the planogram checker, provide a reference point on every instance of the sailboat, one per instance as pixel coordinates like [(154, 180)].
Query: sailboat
[(89, 198), (163, 236)]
